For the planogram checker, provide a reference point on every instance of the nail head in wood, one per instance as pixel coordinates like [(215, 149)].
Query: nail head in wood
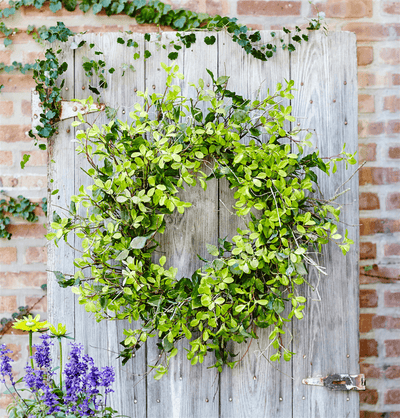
[(348, 355), (255, 378), (158, 401), (345, 83), (66, 88), (206, 399), (304, 398), (135, 401), (345, 123), (301, 84), (334, 100), (68, 131), (123, 112), (35, 116), (135, 89), (154, 87), (347, 399), (281, 399), (298, 124), (311, 101), (230, 399), (74, 109), (83, 87)]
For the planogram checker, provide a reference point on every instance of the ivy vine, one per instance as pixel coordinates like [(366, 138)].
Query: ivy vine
[(137, 170), (159, 13), (20, 207)]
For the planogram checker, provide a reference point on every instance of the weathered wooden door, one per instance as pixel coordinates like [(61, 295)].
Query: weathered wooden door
[(326, 340)]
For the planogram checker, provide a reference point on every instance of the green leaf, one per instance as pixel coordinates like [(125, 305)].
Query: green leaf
[(239, 308), (62, 281), (70, 5), (222, 80), (212, 249), (25, 159), (138, 242), (262, 302), (210, 40), (122, 255), (55, 6), (179, 23), (301, 269), (173, 55)]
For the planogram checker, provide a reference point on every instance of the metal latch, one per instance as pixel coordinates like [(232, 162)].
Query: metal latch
[(68, 109), (340, 381)]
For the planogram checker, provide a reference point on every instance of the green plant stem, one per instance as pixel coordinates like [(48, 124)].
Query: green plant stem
[(61, 361), (30, 348)]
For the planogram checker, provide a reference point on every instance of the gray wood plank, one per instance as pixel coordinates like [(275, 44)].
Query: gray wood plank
[(187, 391), (61, 169), (253, 387), (326, 340), (102, 340)]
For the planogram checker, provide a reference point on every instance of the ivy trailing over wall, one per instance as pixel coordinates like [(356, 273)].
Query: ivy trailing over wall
[(137, 170), (159, 13), (47, 72)]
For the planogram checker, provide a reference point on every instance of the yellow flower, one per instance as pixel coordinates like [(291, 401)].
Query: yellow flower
[(27, 323), (60, 331)]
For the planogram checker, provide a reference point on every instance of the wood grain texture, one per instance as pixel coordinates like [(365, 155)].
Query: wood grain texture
[(326, 335), (102, 339), (253, 387), (329, 331), (61, 302), (186, 390)]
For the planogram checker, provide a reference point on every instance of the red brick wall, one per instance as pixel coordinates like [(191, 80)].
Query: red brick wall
[(377, 25)]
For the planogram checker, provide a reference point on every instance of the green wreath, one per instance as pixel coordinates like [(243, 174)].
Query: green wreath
[(138, 170)]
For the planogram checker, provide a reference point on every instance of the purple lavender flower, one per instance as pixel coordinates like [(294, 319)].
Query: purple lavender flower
[(35, 379), (83, 381), (5, 364), (75, 369), (107, 378), (51, 400), (42, 354)]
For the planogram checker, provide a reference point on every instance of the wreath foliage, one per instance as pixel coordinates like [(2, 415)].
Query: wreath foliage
[(137, 171)]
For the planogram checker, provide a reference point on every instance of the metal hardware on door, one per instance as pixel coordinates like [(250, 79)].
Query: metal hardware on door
[(69, 109), (340, 381)]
